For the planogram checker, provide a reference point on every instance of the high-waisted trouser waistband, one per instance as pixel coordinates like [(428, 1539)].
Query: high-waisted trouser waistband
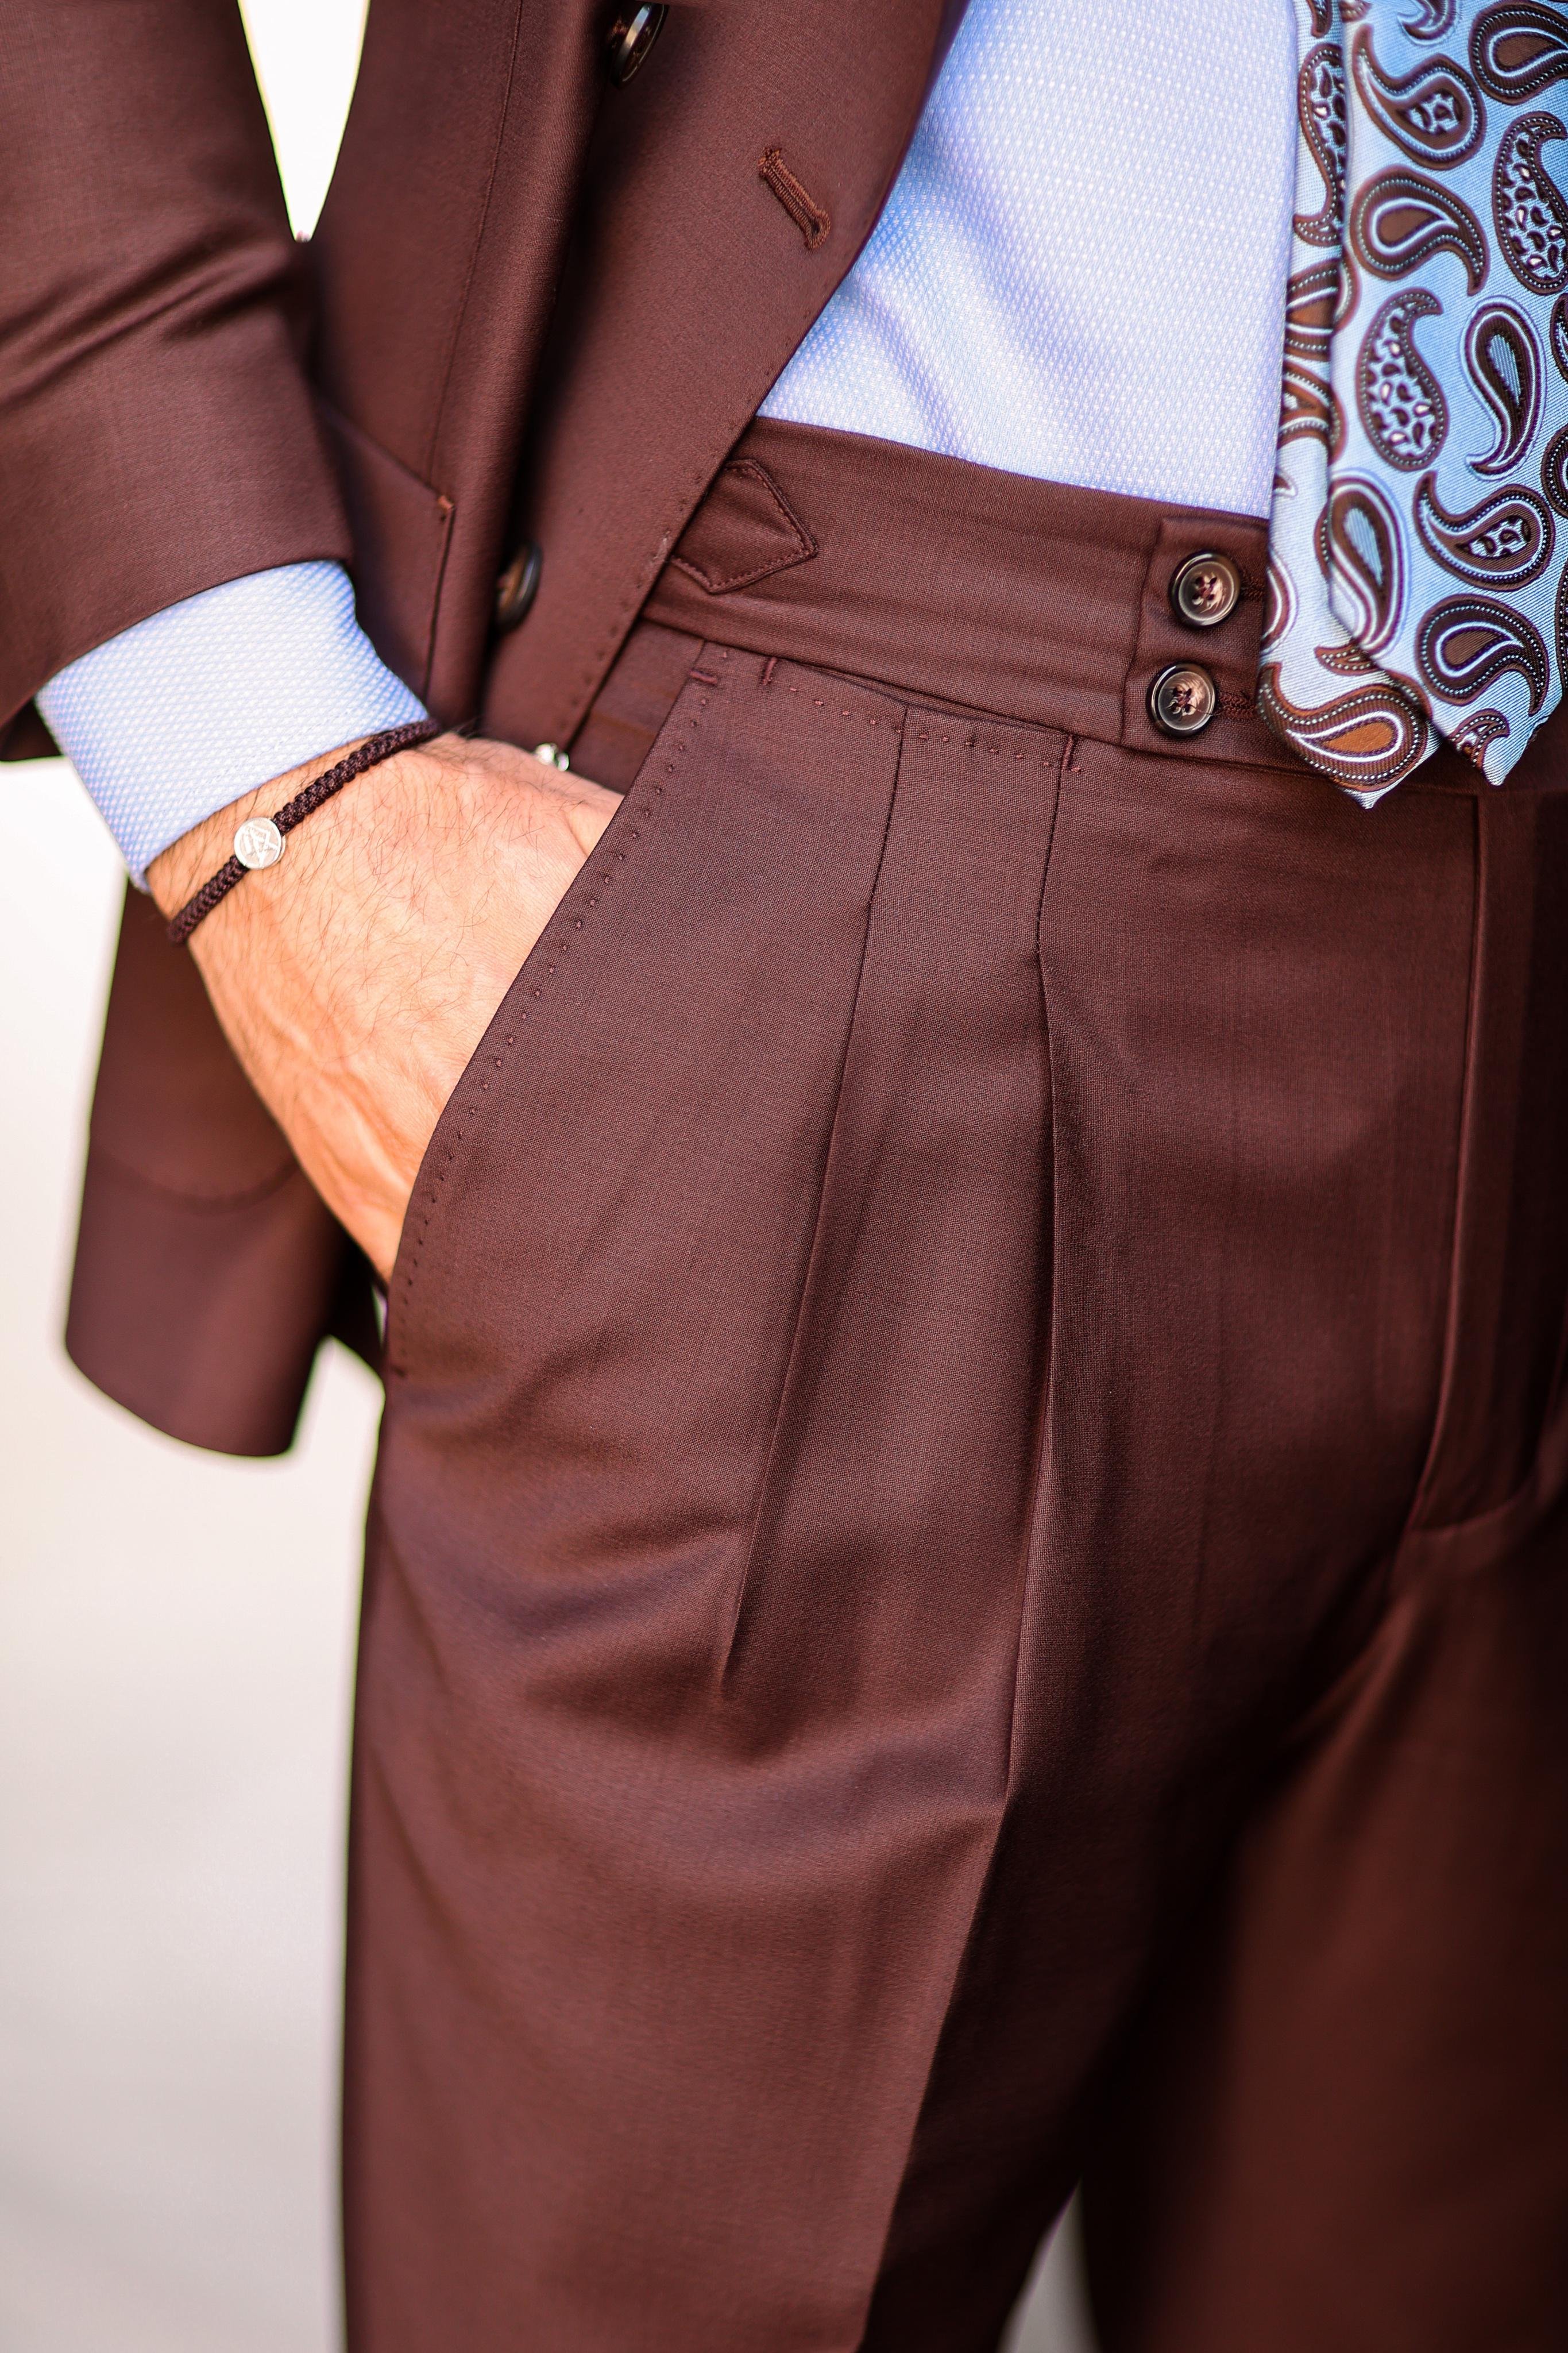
[(957, 583)]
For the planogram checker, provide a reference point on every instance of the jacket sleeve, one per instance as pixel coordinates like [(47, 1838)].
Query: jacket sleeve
[(156, 429)]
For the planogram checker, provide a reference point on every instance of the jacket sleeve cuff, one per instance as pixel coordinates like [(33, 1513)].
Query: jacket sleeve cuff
[(175, 718)]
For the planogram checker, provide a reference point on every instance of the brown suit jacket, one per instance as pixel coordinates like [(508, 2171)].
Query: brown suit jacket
[(539, 307)]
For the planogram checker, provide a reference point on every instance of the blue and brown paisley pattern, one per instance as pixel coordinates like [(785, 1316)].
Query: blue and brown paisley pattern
[(1476, 730), (1506, 368), (1466, 643), (1400, 220), (1555, 469), (1347, 660), (1278, 607), (1361, 549), (1369, 738), (1308, 409), (1322, 106), (1559, 626), (1528, 207), (1559, 334), (1315, 306), (1419, 543), (1401, 402), (1515, 52), (1433, 20), (1503, 541), (1435, 113)]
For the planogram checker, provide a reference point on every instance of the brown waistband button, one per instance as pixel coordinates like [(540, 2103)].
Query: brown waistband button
[(1205, 590), (1182, 699)]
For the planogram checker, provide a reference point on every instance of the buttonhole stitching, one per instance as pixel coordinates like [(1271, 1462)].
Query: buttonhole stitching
[(812, 219)]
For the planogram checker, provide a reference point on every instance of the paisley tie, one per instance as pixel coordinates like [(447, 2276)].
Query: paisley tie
[(1418, 538)]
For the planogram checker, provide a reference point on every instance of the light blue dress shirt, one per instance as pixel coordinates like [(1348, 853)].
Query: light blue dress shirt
[(1080, 276), (1080, 273), (177, 717)]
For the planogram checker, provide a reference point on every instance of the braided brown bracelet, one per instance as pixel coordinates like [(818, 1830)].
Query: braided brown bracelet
[(259, 840)]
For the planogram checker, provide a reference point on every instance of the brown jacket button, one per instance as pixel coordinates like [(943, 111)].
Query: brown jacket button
[(518, 586), (1205, 590), (632, 35), (1182, 699)]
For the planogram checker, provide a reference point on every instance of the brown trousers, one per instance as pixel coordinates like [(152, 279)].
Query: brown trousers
[(967, 1578)]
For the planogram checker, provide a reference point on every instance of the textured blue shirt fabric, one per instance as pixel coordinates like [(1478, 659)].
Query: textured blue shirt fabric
[(178, 716), (1079, 275)]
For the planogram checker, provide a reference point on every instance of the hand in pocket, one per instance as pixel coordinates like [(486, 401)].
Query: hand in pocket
[(356, 977)]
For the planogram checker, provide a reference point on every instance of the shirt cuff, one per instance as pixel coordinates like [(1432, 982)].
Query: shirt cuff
[(178, 716)]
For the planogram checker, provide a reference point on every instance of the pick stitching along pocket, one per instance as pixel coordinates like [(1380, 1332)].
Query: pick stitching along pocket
[(583, 919)]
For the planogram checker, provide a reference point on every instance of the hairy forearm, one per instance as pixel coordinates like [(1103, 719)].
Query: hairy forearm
[(355, 976)]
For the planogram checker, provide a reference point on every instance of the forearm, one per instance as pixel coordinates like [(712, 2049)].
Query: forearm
[(355, 976)]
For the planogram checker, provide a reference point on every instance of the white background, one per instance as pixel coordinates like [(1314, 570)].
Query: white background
[(176, 1652)]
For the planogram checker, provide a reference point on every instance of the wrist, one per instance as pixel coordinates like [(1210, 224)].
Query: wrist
[(263, 824), (179, 871)]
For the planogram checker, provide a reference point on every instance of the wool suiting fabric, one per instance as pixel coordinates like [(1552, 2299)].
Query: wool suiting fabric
[(902, 1540)]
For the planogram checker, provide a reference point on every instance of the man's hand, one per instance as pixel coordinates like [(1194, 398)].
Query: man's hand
[(357, 975)]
